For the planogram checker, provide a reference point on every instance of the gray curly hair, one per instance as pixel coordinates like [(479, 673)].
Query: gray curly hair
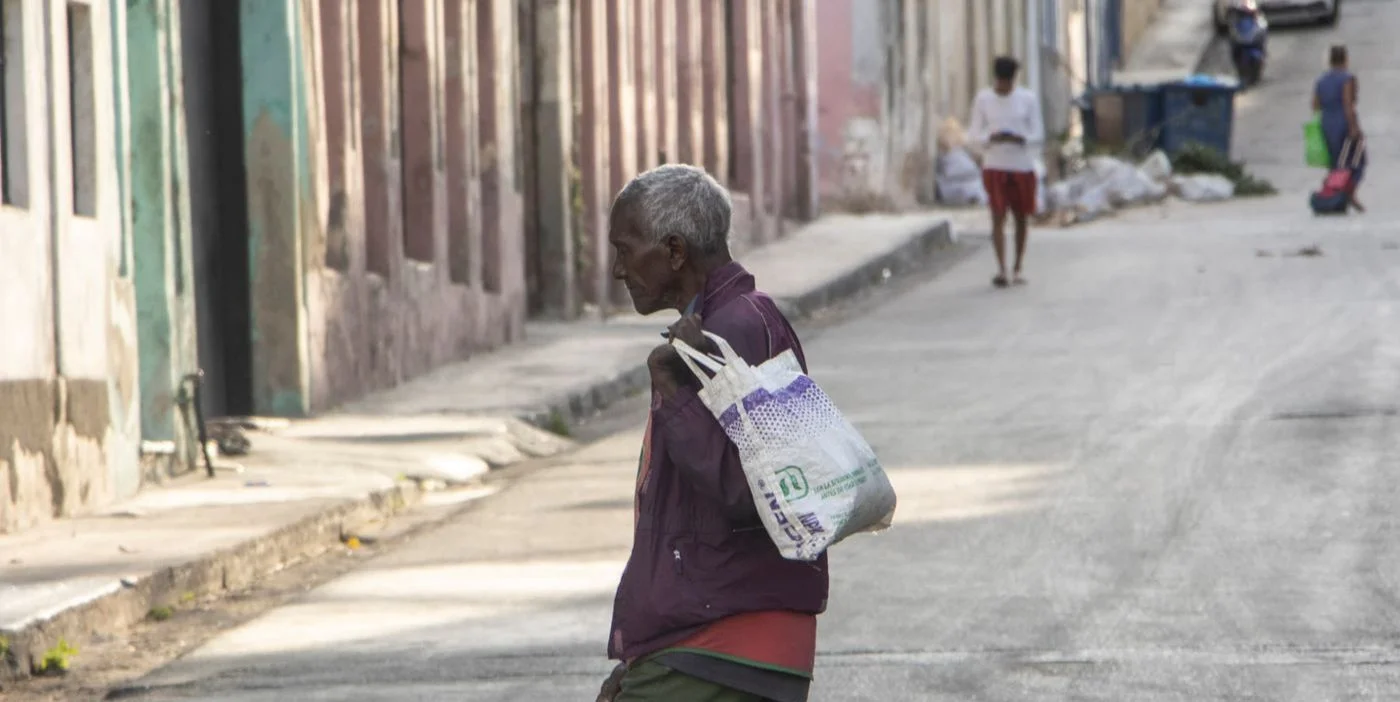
[(679, 200)]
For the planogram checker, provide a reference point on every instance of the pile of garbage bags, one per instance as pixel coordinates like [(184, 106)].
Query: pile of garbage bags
[(959, 174), (1109, 183), (1105, 185)]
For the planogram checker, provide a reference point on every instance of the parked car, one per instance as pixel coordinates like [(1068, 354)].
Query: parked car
[(1285, 12)]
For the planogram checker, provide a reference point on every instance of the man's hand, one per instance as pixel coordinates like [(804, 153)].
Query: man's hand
[(690, 329), (612, 687), (666, 368), (668, 372)]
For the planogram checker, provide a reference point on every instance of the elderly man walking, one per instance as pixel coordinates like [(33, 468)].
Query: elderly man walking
[(707, 609)]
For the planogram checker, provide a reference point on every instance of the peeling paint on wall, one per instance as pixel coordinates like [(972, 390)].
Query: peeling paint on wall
[(53, 450)]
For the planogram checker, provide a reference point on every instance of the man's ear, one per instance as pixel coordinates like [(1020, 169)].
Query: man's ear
[(677, 252)]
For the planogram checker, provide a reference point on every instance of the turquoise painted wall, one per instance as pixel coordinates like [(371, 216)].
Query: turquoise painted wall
[(155, 206), (280, 201)]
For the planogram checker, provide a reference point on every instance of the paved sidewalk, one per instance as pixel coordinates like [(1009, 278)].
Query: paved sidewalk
[(311, 484)]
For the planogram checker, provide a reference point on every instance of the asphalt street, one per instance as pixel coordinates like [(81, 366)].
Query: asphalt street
[(1164, 470)]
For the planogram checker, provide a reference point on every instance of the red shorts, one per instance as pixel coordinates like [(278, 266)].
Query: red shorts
[(1010, 190)]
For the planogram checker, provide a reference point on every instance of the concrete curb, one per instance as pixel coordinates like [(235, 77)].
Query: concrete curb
[(222, 571), (913, 253)]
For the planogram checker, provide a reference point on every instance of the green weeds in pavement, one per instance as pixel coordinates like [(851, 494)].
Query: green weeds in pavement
[(57, 660), (1198, 158), (556, 424), (161, 613)]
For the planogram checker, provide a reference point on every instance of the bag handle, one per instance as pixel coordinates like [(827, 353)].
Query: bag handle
[(1350, 155), (726, 352), (694, 360)]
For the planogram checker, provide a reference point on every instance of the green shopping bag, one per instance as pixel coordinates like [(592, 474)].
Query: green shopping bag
[(1315, 144)]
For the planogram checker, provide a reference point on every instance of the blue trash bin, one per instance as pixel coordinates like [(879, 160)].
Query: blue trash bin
[(1123, 116), (1198, 110)]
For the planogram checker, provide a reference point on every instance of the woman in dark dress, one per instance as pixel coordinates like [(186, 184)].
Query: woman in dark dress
[(1335, 97)]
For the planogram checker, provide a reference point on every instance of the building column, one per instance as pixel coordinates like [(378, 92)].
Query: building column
[(624, 92), (554, 148), (594, 175), (714, 83), (665, 59), (280, 197), (746, 90), (771, 201), (804, 69), (647, 103), (159, 218), (690, 85)]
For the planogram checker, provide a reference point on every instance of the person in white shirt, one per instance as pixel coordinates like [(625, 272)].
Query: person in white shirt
[(1007, 123)]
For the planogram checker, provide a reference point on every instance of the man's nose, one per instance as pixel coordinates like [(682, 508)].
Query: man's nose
[(617, 272)]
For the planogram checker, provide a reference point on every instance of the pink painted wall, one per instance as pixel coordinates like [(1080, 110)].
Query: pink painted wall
[(840, 96)]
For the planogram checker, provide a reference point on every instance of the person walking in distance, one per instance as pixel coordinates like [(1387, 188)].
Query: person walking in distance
[(1335, 96), (1007, 124), (707, 609)]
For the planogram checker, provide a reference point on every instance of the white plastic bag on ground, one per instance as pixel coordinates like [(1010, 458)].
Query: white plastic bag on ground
[(1133, 187), (1126, 183), (1157, 166), (1060, 197), (962, 193), (815, 479), (959, 179), (1094, 202), (1203, 187)]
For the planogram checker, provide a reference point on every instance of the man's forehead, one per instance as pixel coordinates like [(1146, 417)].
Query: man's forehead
[(622, 227)]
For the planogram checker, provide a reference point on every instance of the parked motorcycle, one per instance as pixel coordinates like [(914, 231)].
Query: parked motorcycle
[(1249, 38)]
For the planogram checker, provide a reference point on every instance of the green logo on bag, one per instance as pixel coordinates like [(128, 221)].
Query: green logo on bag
[(792, 482)]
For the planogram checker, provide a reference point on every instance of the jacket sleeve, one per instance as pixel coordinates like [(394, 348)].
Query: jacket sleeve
[(697, 445), (707, 460)]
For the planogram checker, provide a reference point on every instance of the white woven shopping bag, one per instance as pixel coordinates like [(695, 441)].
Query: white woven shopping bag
[(815, 480)]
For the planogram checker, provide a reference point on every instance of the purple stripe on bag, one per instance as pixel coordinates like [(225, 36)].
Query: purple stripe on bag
[(760, 397)]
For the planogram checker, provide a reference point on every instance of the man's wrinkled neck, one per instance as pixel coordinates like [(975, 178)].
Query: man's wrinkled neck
[(694, 277)]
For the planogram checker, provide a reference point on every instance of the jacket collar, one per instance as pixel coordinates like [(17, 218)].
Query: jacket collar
[(724, 285)]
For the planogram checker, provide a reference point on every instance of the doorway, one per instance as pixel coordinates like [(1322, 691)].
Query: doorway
[(213, 79)]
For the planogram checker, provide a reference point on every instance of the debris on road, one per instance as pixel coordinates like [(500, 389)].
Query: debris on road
[(959, 175), (1203, 187), (1106, 184), (1197, 159), (1109, 183)]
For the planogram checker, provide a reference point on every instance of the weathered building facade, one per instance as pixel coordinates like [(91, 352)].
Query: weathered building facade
[(270, 207), (892, 71), (96, 340), (383, 192), (614, 87), (422, 174)]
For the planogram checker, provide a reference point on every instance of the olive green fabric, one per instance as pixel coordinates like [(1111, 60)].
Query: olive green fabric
[(649, 681)]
